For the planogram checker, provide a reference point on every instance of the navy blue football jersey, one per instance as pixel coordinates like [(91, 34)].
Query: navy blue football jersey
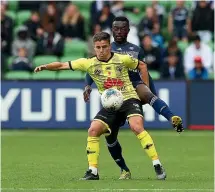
[(134, 51)]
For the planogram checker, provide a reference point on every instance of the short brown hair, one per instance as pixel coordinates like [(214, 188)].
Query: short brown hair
[(101, 36)]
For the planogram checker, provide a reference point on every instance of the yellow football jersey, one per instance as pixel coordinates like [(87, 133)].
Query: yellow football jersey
[(110, 74)]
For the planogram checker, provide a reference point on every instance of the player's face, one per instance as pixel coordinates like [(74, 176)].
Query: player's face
[(102, 49), (120, 31)]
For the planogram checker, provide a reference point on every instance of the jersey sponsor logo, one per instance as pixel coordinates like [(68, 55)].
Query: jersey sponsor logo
[(119, 68), (111, 82), (134, 70), (148, 146), (131, 48), (97, 72), (137, 107)]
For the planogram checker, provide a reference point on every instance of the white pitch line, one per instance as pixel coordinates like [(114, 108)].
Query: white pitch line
[(46, 134), (150, 190)]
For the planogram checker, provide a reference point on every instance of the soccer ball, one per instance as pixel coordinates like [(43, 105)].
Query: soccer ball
[(112, 99)]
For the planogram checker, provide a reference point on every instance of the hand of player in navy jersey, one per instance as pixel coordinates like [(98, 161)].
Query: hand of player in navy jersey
[(86, 94)]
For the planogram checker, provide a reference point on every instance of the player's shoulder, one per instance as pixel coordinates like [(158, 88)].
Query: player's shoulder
[(135, 47), (91, 57), (120, 55), (123, 56)]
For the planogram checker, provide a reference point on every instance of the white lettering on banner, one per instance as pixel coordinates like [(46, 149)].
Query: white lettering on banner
[(46, 103), (7, 102), (62, 95), (149, 112), (95, 99), (164, 95)]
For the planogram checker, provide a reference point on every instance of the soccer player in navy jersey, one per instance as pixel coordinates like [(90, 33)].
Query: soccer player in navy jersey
[(145, 90)]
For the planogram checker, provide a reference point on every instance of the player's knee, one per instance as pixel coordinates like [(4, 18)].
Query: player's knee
[(136, 125), (93, 132), (96, 129), (148, 96), (144, 94)]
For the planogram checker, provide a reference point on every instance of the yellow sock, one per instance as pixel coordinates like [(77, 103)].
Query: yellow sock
[(93, 151), (148, 144)]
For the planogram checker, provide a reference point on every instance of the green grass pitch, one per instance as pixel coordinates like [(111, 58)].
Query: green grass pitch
[(38, 160)]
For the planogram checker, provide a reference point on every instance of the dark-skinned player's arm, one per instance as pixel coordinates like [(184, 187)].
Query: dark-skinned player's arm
[(54, 66), (144, 72), (87, 88)]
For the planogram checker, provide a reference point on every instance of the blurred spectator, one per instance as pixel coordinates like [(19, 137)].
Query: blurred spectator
[(60, 6), (160, 11), (203, 21), (172, 68), (21, 62), (51, 42), (157, 38), (6, 31), (197, 48), (23, 41), (172, 48), (95, 8), (72, 24), (105, 18), (33, 25), (50, 15), (148, 22), (150, 25), (199, 71), (152, 54), (118, 9), (4, 2), (179, 21), (90, 50)]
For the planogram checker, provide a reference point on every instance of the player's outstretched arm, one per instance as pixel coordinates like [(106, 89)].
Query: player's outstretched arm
[(144, 72), (55, 66)]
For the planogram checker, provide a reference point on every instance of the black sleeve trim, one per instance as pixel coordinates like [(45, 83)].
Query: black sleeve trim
[(70, 65), (137, 65)]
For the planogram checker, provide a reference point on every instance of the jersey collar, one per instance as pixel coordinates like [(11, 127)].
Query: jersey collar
[(112, 54)]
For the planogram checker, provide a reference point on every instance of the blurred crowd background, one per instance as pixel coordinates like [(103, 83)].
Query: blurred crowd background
[(177, 36)]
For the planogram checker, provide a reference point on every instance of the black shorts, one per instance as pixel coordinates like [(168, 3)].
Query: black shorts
[(115, 119)]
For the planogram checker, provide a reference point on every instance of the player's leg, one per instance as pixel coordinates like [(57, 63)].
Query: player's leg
[(158, 105), (115, 150), (135, 118), (99, 126)]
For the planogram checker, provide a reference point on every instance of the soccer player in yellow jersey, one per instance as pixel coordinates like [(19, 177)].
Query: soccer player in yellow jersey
[(107, 67)]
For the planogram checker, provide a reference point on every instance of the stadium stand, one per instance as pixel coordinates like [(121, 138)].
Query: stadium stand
[(13, 75)]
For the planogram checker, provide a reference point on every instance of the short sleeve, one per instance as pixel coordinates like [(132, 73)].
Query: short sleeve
[(130, 62), (80, 64)]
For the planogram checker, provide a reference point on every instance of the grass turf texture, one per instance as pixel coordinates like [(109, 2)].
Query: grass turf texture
[(37, 160)]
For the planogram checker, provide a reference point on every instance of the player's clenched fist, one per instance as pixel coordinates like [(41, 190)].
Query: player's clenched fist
[(40, 68)]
